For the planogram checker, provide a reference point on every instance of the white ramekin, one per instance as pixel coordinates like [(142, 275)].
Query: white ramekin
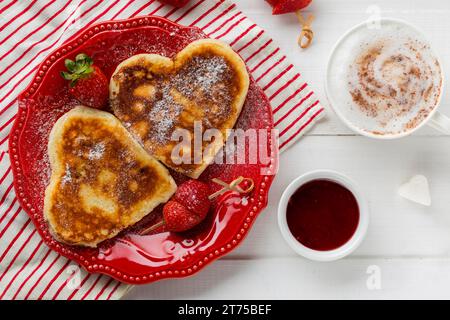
[(350, 245)]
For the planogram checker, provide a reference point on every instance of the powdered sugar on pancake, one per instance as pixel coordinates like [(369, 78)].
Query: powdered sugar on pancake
[(67, 177), (97, 151), (202, 73), (201, 88), (163, 115)]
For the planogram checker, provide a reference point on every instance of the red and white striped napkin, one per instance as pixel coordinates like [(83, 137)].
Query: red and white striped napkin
[(29, 30)]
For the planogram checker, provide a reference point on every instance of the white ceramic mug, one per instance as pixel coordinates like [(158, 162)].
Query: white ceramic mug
[(434, 118)]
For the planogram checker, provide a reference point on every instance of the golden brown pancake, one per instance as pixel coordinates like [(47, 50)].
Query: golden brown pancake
[(102, 180), (153, 96)]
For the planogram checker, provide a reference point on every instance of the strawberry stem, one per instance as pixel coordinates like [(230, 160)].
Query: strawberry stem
[(80, 68)]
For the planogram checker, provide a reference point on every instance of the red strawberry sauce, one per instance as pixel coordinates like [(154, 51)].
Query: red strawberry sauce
[(322, 215)]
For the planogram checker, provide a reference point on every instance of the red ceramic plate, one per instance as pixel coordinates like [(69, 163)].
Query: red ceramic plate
[(131, 257)]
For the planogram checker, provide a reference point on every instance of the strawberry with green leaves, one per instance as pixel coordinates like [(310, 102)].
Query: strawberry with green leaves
[(88, 84)]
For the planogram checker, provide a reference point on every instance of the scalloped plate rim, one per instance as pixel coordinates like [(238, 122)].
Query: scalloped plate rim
[(22, 116)]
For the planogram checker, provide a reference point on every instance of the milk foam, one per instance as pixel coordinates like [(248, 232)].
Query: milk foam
[(385, 80)]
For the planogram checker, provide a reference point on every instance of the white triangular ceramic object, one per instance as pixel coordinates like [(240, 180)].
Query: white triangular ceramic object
[(416, 190)]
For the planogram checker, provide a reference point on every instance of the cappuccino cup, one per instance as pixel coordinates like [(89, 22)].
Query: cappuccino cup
[(384, 80)]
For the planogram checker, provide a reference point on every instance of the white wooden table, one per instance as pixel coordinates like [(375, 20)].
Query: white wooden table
[(409, 245)]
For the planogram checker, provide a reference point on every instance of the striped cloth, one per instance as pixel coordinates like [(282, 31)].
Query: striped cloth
[(29, 30)]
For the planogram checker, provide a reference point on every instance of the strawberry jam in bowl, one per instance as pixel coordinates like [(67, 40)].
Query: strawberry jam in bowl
[(323, 216)]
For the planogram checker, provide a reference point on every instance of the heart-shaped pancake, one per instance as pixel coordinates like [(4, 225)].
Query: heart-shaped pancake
[(162, 102), (102, 180)]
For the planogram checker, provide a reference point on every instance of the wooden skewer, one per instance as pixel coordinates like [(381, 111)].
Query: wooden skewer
[(306, 36), (232, 186), (153, 227)]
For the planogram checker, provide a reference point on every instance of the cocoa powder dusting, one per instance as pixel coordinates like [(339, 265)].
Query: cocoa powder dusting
[(388, 81)]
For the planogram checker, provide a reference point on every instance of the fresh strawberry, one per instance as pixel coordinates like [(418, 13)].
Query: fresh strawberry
[(193, 194), (286, 6), (176, 3), (187, 208), (178, 218), (88, 84)]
